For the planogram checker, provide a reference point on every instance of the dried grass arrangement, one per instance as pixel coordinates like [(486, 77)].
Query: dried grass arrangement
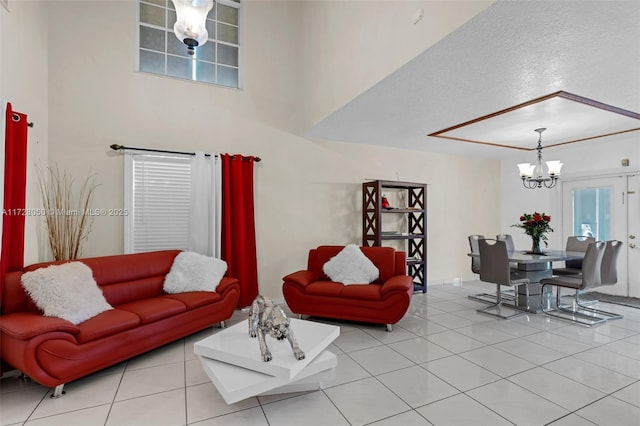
[(67, 212)]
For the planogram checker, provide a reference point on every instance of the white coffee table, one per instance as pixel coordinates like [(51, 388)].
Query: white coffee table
[(233, 361)]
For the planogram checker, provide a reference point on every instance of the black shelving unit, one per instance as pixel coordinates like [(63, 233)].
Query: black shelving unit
[(415, 232)]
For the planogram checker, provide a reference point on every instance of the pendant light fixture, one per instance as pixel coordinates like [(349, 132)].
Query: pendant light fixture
[(191, 17), (532, 175)]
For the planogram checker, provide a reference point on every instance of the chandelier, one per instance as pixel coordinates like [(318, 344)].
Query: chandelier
[(190, 27), (532, 175)]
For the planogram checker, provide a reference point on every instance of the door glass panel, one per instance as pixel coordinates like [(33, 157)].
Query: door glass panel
[(592, 213)]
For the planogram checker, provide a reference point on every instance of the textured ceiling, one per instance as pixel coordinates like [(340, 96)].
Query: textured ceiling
[(510, 54)]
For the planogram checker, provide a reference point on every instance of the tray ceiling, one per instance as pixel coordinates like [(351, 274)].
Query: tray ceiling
[(505, 59)]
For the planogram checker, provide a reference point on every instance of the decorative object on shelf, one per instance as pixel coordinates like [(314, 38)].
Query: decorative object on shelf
[(535, 225), (267, 318), (532, 174), (191, 17), (67, 211), (385, 202)]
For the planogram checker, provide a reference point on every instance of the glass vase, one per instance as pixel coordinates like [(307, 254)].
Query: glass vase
[(535, 245)]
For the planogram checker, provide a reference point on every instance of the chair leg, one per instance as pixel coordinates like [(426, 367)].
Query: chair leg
[(586, 302), (58, 391), (491, 297), (574, 315), (497, 306), (582, 306), (389, 328)]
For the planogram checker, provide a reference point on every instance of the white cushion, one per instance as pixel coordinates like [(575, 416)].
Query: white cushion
[(351, 266), (66, 291), (194, 272)]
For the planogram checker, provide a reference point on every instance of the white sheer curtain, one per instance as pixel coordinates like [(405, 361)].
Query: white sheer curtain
[(205, 221)]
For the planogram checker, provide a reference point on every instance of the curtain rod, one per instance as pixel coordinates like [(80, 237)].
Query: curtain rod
[(117, 147), (16, 117)]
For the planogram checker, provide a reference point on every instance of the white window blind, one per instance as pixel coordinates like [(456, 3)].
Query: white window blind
[(157, 195)]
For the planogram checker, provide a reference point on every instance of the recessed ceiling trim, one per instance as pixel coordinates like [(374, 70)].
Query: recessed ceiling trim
[(588, 139), (453, 138), (560, 94)]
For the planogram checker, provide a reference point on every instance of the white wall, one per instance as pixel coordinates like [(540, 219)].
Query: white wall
[(83, 94), (307, 192), (24, 83), (591, 158)]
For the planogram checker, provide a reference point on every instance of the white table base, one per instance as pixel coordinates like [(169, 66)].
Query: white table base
[(233, 361)]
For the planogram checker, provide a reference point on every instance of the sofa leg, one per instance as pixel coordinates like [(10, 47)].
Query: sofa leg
[(389, 328), (57, 391), (223, 324)]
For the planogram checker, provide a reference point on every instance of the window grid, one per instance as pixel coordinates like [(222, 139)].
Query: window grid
[(195, 71)]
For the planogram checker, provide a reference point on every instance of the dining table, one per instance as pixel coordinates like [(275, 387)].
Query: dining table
[(535, 267)]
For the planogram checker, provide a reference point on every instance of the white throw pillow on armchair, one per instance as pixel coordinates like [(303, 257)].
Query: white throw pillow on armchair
[(351, 266), (192, 271)]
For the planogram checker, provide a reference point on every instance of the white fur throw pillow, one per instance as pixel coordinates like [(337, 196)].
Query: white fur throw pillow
[(66, 291), (351, 266), (194, 272)]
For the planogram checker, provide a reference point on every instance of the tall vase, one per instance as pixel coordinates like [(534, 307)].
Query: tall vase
[(535, 245)]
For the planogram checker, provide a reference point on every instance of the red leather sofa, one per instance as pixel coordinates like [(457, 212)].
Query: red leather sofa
[(53, 351), (385, 301)]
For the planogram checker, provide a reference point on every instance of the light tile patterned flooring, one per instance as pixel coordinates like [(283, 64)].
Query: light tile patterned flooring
[(444, 364)]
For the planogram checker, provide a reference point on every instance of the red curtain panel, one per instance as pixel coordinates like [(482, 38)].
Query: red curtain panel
[(15, 183), (238, 225)]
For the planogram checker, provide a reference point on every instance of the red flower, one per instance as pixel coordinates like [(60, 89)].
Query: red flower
[(536, 225)]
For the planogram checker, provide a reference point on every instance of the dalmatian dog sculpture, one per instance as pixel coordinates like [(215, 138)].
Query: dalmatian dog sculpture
[(267, 318)]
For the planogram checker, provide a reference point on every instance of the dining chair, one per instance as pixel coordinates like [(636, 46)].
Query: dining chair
[(494, 268), (574, 243), (598, 268), (608, 276), (475, 268), (508, 239), (474, 247)]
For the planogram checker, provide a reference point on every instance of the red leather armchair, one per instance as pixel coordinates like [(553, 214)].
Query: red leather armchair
[(385, 301)]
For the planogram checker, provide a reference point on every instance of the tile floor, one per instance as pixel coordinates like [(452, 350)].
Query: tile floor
[(444, 364)]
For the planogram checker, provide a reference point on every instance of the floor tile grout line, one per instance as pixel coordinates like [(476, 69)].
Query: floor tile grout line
[(605, 395), (346, 419), (592, 346), (585, 384), (124, 370), (630, 403), (488, 408)]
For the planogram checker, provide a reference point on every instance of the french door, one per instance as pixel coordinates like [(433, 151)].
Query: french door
[(607, 208)]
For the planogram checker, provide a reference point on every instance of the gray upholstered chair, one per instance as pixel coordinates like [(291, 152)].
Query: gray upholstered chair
[(494, 268), (598, 268), (508, 239), (609, 270), (574, 243), (475, 268), (473, 246)]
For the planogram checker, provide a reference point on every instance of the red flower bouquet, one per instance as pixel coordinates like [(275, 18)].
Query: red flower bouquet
[(536, 225)]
